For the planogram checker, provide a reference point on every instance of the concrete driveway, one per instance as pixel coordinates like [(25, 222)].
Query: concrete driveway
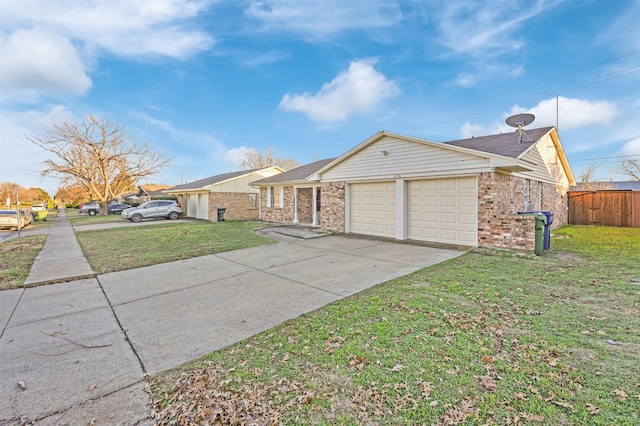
[(82, 349), (178, 311)]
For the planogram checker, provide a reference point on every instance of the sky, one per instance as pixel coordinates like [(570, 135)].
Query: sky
[(202, 81)]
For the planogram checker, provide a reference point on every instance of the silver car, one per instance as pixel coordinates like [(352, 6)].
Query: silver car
[(151, 209)]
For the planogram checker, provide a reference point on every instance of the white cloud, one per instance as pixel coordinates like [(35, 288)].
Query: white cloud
[(127, 28), (48, 47), (356, 91), (573, 114), (234, 156), (479, 29), (319, 19), (21, 160), (631, 148), (40, 61)]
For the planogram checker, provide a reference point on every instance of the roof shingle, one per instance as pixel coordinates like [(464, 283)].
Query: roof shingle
[(295, 175), (506, 144)]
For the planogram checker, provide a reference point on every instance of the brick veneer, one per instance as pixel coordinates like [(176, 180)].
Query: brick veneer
[(500, 197), (332, 213), (305, 205), (277, 214), (237, 204)]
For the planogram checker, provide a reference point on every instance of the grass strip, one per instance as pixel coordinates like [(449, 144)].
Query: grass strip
[(118, 249), (16, 258)]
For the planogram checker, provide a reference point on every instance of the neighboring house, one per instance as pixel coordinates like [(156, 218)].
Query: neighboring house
[(466, 192), (290, 198), (202, 198), (146, 193), (631, 185)]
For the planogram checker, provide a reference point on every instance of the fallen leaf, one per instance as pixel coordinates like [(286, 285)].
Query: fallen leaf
[(622, 395), (563, 404), (592, 409), (532, 417)]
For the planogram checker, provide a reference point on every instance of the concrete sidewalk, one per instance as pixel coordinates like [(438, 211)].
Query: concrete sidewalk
[(61, 258), (79, 352)]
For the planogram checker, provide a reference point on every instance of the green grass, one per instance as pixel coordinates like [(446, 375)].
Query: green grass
[(487, 338), (16, 257), (79, 219), (117, 249)]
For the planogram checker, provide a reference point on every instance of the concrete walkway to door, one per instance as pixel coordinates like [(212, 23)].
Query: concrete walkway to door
[(78, 352)]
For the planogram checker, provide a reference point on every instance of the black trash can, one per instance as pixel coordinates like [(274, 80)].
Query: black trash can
[(221, 211)]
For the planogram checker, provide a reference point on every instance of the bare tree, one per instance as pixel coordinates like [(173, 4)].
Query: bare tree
[(259, 159), (97, 155), (629, 168), (587, 179)]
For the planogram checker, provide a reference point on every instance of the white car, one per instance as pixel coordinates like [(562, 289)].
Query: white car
[(9, 219)]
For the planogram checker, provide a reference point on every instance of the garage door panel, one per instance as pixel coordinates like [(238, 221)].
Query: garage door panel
[(373, 208), (443, 210)]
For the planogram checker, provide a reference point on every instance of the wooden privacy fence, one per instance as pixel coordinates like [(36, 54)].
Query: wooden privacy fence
[(604, 208)]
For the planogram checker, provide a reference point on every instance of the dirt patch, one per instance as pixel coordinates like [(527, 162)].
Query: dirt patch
[(563, 255)]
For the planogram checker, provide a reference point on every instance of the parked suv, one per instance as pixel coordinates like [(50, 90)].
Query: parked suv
[(92, 208), (160, 208)]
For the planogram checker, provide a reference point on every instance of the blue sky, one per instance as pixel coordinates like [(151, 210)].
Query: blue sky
[(202, 80)]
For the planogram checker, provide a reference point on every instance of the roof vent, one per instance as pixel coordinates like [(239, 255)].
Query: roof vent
[(520, 121)]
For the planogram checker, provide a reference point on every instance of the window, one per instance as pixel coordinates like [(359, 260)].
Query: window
[(275, 196), (253, 201)]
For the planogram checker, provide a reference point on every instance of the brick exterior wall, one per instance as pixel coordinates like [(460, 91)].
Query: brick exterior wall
[(282, 214), (500, 197), (332, 213), (237, 204), (305, 205)]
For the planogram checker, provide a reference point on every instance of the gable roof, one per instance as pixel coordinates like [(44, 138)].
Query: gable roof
[(498, 160), (506, 144), (152, 190), (200, 184), (299, 174)]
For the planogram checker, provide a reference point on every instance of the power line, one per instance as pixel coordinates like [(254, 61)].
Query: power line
[(575, 85), (606, 158)]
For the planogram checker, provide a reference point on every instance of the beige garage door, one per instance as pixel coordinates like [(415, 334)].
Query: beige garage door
[(443, 210), (373, 208)]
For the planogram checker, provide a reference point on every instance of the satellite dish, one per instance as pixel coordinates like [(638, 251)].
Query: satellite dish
[(520, 121)]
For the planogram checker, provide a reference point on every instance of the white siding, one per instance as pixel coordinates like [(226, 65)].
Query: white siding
[(192, 205), (373, 208), (548, 166), (404, 159), (443, 210), (203, 206), (242, 183)]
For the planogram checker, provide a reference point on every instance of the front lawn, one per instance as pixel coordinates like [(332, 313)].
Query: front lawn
[(16, 257), (487, 338), (117, 249)]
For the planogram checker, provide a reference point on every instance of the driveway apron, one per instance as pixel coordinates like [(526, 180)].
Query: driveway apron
[(78, 352)]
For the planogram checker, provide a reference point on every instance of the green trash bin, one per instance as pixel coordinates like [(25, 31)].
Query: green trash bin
[(541, 221)]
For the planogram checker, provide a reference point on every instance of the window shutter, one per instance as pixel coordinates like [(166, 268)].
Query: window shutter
[(269, 196), (281, 196)]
